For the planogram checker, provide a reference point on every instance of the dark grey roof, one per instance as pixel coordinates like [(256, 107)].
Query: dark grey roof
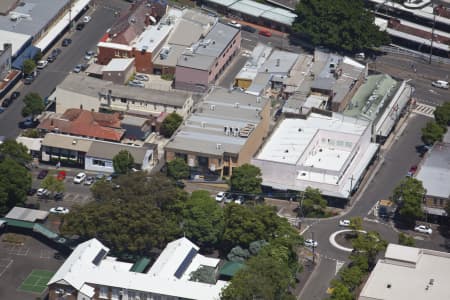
[(36, 15), (106, 150)]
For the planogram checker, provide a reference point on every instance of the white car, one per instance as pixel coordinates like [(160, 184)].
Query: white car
[(42, 64), (79, 178), (423, 229), (59, 210), (89, 55), (89, 180), (344, 223), (311, 243), (86, 19), (41, 192), (234, 24), (440, 84), (220, 196)]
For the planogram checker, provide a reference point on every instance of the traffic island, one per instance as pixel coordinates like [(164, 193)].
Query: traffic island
[(341, 240)]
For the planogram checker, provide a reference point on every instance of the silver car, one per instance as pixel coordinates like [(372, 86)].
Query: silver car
[(136, 83)]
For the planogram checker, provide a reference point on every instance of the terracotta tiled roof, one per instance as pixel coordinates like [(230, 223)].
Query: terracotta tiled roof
[(86, 123)]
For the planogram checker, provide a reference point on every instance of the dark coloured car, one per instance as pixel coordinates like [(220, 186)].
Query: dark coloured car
[(42, 174), (66, 42), (248, 28), (80, 26), (15, 95), (51, 58), (28, 123), (31, 191), (58, 196), (56, 52), (180, 184), (28, 79), (6, 102)]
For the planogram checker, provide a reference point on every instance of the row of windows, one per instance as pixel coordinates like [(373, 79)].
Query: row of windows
[(102, 163), (117, 294)]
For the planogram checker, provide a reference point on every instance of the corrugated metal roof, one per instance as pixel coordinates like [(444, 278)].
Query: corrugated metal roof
[(26, 214)]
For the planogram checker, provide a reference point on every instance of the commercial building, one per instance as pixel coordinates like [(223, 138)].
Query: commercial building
[(93, 155), (202, 63), (118, 70), (89, 273), (434, 172), (84, 92), (408, 273), (327, 151), (248, 73), (224, 132), (255, 12)]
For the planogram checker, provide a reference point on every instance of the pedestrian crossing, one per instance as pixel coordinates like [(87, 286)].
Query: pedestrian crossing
[(424, 110)]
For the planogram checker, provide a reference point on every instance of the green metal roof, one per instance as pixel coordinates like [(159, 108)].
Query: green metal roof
[(18, 223), (45, 231), (230, 268), (140, 265)]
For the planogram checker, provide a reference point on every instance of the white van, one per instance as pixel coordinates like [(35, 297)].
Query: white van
[(440, 84)]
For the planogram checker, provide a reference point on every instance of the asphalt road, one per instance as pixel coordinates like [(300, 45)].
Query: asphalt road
[(55, 72), (397, 161), (403, 67)]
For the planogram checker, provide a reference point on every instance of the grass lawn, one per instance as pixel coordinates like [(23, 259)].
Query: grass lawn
[(36, 282)]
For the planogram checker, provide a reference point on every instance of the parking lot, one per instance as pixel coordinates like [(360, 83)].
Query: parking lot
[(17, 262)]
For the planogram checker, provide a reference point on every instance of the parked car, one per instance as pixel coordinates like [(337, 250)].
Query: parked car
[(42, 64), (99, 176), (136, 83), (42, 174), (89, 54), (6, 102), (59, 210), (66, 42), (311, 243), (51, 58), (31, 191), (248, 28), (412, 171), (234, 24), (15, 95), (344, 223), (28, 79), (228, 198), (141, 77), (56, 51), (1, 110), (265, 32), (220, 196), (61, 175), (80, 26), (58, 196), (423, 229), (239, 200), (89, 180), (180, 184), (77, 69), (79, 178), (440, 84), (87, 19), (43, 193), (29, 123)]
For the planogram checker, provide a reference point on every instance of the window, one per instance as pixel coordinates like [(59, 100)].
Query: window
[(115, 294), (103, 292), (123, 100), (98, 162)]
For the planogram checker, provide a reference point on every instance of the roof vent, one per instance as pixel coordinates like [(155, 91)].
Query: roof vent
[(203, 124), (236, 105), (389, 285), (218, 146), (74, 142), (212, 107)]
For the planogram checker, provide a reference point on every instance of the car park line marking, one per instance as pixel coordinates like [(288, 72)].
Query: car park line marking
[(6, 266), (45, 254)]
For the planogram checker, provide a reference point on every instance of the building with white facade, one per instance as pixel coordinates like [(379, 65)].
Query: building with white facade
[(408, 273), (328, 151), (89, 273)]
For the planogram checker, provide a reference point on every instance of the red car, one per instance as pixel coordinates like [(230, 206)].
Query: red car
[(61, 175), (412, 171), (265, 32)]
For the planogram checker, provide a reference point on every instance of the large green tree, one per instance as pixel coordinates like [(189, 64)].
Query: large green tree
[(338, 24), (52, 184), (409, 196), (15, 181), (246, 179), (442, 115), (123, 162), (34, 105), (369, 245), (28, 66), (170, 124), (432, 132), (203, 220), (177, 169), (341, 291), (16, 151), (312, 203)]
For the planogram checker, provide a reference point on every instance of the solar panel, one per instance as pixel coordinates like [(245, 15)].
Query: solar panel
[(99, 257), (185, 264)]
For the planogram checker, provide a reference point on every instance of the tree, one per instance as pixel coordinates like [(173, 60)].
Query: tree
[(123, 162), (34, 105), (15, 181), (52, 184), (177, 169), (170, 124), (312, 204), (409, 196), (442, 115), (369, 245), (28, 66), (246, 179), (238, 254), (406, 240), (351, 277), (16, 151), (204, 274), (340, 291), (432, 133), (338, 24), (203, 220)]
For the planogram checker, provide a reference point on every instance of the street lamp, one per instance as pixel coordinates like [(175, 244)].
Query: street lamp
[(432, 33)]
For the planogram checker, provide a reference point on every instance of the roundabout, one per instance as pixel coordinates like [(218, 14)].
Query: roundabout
[(337, 245)]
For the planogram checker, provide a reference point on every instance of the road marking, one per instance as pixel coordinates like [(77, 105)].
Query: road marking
[(5, 266), (424, 110), (339, 265)]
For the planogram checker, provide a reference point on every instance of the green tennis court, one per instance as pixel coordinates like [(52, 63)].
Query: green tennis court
[(36, 282)]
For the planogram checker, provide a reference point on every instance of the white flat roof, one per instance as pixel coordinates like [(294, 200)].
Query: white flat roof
[(114, 46), (118, 64), (16, 39), (289, 140), (152, 37), (425, 279)]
